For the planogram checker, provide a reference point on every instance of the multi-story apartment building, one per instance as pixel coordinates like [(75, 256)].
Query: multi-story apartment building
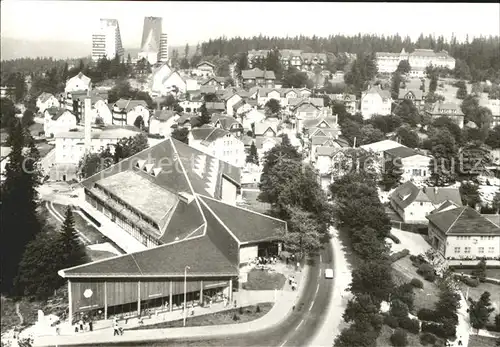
[(154, 44), (107, 41), (447, 109), (388, 62), (291, 58)]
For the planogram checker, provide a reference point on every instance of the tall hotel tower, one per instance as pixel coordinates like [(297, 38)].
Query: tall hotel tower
[(154, 44), (107, 41)]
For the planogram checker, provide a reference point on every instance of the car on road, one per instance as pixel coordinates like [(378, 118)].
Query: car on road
[(329, 273)]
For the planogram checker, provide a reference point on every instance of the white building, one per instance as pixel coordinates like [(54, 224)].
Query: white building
[(173, 84), (414, 165), (375, 101), (154, 44), (107, 41), (419, 60), (205, 69), (45, 101), (57, 120), (414, 204), (162, 121), (78, 83), (127, 112), (160, 74), (219, 143), (494, 106)]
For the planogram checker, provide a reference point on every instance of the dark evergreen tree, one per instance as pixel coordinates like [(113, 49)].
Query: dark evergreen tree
[(72, 251), (204, 115), (252, 156), (19, 220)]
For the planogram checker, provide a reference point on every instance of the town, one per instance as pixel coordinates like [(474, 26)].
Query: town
[(298, 191)]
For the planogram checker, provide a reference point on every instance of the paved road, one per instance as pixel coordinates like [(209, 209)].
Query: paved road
[(297, 330)]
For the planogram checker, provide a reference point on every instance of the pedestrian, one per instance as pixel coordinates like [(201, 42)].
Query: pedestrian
[(298, 266), (460, 341), (76, 328), (141, 322), (80, 323), (115, 329), (192, 309), (91, 327), (58, 330)]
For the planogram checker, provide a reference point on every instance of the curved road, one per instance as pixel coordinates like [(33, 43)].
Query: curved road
[(296, 330)]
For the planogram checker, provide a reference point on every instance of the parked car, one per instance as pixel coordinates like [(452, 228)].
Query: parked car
[(328, 273)]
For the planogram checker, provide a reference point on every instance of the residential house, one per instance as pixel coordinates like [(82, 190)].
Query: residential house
[(204, 69), (463, 233), (231, 100), (227, 123), (348, 100), (414, 204), (216, 82), (326, 160), (252, 117), (258, 77), (130, 112), (220, 143), (98, 101), (307, 109), (160, 74), (162, 121), (446, 109), (416, 96), (380, 147), (215, 107), (191, 105), (173, 83), (413, 164), (57, 120), (45, 101), (241, 108), (77, 83), (264, 144), (494, 106), (266, 94), (375, 101), (186, 120)]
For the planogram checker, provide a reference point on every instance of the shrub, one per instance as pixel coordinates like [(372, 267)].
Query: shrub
[(240, 310), (441, 330), (257, 309), (398, 255), (417, 283), (391, 321), (431, 277), (426, 314), (427, 272), (471, 282), (399, 338), (399, 309), (450, 327), (413, 258), (236, 317), (412, 325), (427, 339)]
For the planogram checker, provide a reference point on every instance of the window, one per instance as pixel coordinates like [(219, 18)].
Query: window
[(467, 250), (421, 204), (457, 250), (491, 249), (480, 249)]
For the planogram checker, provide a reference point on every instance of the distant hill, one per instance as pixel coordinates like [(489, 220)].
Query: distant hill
[(15, 48)]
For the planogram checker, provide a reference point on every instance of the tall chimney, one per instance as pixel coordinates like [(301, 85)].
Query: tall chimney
[(88, 123)]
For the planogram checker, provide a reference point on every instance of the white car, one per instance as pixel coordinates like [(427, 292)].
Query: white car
[(328, 273)]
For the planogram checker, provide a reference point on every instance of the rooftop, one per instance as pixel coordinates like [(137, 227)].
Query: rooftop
[(463, 221), (381, 146), (402, 152)]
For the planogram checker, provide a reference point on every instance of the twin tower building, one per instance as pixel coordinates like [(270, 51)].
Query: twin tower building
[(107, 41)]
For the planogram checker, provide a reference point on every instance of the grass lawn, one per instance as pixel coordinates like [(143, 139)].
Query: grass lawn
[(86, 228), (475, 294), (404, 271), (264, 280), (44, 148), (481, 341), (492, 273), (218, 318), (250, 202)]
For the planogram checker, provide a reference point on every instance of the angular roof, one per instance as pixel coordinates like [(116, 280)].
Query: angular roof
[(207, 89), (193, 229), (296, 102), (56, 112), (463, 221), (44, 97), (128, 105), (257, 73), (327, 151), (384, 94), (402, 152), (215, 106), (445, 108), (208, 134), (438, 195), (204, 62), (225, 121), (418, 94), (407, 193), (261, 127), (86, 80), (260, 140), (330, 122), (381, 146), (164, 115)]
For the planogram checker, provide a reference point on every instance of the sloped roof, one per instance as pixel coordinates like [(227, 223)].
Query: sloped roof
[(407, 193), (444, 107), (384, 94), (56, 112), (215, 106), (295, 102), (257, 73), (207, 89), (246, 225), (86, 80), (163, 115), (260, 140), (44, 97), (416, 92), (331, 122), (128, 105), (402, 152), (438, 195), (261, 127), (208, 134), (204, 62), (327, 151), (463, 221), (225, 121), (470, 124), (381, 146)]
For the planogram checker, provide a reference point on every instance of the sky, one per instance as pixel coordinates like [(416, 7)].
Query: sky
[(192, 22)]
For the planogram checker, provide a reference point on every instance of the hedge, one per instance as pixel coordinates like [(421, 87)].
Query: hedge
[(394, 238), (426, 314), (399, 255), (421, 229), (427, 271), (441, 330), (471, 282)]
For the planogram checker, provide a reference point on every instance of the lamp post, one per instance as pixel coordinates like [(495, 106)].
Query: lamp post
[(185, 293)]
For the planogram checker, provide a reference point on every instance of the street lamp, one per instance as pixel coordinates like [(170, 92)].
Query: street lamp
[(185, 292)]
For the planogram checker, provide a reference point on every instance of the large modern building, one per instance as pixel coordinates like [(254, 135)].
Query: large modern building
[(154, 44), (179, 205), (107, 41), (419, 59)]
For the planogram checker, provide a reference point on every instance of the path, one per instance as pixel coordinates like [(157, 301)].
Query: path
[(18, 312)]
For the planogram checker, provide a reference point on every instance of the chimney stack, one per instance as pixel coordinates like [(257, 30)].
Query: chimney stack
[(87, 117)]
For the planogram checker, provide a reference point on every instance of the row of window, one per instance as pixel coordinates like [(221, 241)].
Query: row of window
[(480, 250), (481, 237), (419, 172)]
